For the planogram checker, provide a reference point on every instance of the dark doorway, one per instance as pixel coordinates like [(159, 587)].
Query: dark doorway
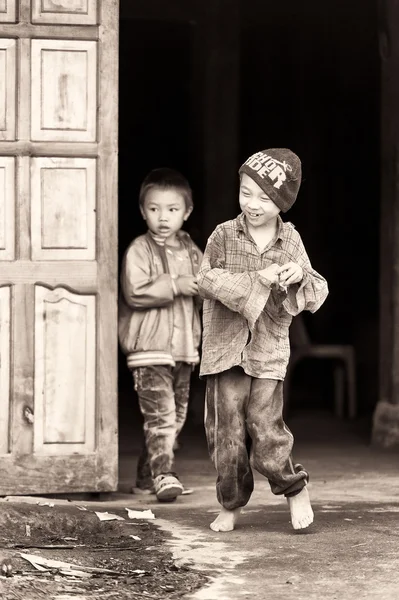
[(155, 130), (154, 109), (310, 81)]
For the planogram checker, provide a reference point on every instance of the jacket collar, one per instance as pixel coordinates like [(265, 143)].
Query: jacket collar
[(183, 236)]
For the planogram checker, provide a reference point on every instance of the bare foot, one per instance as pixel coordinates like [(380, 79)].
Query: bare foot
[(226, 520), (301, 510)]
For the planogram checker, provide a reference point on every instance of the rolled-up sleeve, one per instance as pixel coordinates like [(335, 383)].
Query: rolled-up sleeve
[(245, 293), (312, 291)]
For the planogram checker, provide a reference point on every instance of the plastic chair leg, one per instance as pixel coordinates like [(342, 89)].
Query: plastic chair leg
[(352, 408), (339, 390)]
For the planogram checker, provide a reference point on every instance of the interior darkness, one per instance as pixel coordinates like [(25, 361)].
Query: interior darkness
[(309, 81), (154, 111)]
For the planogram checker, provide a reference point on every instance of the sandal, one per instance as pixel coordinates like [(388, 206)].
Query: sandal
[(151, 491), (167, 487)]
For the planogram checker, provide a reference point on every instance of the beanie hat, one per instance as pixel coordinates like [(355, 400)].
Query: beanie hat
[(278, 172)]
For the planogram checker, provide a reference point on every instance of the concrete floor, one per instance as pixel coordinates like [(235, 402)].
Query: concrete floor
[(351, 551)]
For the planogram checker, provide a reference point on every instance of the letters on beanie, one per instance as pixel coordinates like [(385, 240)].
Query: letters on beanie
[(278, 172)]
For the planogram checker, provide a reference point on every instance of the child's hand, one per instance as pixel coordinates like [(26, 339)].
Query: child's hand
[(187, 285), (270, 273), (289, 273)]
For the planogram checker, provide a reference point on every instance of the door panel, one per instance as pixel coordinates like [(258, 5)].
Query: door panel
[(72, 12), (58, 246), (64, 90), (7, 208), (63, 210), (7, 88), (5, 347), (65, 364), (8, 9)]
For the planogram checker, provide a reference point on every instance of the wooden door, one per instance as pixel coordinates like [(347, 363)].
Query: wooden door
[(58, 245)]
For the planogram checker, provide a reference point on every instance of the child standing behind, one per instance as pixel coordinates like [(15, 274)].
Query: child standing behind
[(159, 323), (255, 277)]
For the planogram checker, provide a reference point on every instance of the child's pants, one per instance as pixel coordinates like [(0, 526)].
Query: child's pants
[(244, 428), (163, 393)]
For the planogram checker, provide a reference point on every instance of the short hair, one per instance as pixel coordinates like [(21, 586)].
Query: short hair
[(166, 179)]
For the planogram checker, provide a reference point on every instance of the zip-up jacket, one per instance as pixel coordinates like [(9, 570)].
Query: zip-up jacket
[(145, 322)]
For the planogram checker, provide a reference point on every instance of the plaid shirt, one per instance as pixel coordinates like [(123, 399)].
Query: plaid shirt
[(246, 319)]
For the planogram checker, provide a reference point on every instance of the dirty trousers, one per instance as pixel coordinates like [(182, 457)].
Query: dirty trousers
[(245, 428), (163, 393)]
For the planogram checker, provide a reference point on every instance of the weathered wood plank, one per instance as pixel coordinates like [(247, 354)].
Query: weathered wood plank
[(22, 220), (56, 32), (5, 368), (22, 369), (107, 250), (25, 147), (78, 275), (24, 116), (24, 474)]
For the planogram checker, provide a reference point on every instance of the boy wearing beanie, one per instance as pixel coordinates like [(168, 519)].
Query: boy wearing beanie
[(255, 276)]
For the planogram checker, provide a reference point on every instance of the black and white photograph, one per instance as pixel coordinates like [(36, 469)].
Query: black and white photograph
[(199, 300)]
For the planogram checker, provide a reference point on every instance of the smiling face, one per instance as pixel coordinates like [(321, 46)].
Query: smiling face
[(256, 205), (165, 212)]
